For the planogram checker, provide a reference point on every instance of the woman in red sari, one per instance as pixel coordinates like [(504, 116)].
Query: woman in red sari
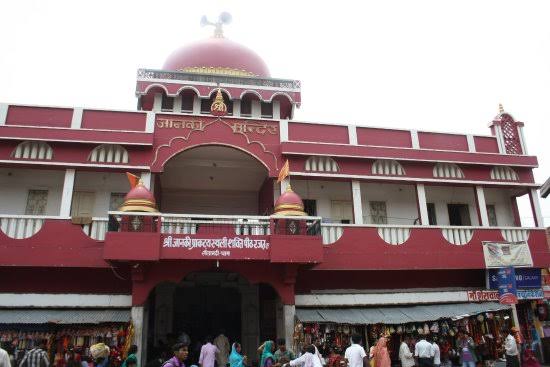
[(529, 359), (380, 353)]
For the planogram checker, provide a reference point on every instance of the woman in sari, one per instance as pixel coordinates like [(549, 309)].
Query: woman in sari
[(380, 353), (268, 359), (236, 359), (529, 359)]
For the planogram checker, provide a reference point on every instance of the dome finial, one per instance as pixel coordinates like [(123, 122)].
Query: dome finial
[(224, 18), (500, 108)]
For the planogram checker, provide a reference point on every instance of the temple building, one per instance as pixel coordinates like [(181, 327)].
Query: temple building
[(184, 216)]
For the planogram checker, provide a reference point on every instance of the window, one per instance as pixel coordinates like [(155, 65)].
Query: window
[(246, 107), (341, 212), (432, 218), (36, 202), (310, 207), (205, 105), (459, 215), (187, 102), (267, 110), (116, 200), (378, 212), (167, 103), (492, 215)]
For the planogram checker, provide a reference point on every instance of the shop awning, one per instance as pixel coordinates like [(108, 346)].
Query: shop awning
[(397, 314), (66, 316)]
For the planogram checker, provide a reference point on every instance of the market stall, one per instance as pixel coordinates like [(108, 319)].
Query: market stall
[(68, 334), (331, 328)]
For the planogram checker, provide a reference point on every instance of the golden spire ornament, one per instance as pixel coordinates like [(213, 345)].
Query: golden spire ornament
[(218, 107)]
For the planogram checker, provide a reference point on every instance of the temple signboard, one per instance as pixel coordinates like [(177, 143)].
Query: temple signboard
[(181, 246)]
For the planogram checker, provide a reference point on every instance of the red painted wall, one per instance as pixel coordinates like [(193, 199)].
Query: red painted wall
[(39, 116), (486, 144), (442, 141), (111, 120), (383, 137), (64, 280), (318, 133), (308, 280)]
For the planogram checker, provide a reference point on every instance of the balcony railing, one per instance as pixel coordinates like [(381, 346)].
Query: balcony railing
[(399, 234), (22, 226), (222, 79)]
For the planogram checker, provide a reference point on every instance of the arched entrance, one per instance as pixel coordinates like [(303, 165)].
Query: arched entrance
[(215, 179), (207, 303)]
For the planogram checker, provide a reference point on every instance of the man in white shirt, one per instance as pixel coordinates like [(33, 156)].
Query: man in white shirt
[(436, 353), (405, 355), (511, 347), (4, 358), (424, 352), (308, 358), (355, 354)]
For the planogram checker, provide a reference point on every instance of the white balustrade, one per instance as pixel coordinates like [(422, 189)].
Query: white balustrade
[(97, 228), (394, 235), (190, 223), (515, 235), (458, 235), (21, 226), (331, 233)]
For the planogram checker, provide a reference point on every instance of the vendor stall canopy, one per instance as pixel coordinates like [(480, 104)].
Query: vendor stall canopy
[(396, 315), (77, 316)]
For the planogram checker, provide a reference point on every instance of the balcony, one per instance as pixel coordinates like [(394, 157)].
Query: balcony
[(156, 237)]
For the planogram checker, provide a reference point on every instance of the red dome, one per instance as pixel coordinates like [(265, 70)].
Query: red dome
[(289, 203), (217, 55), (139, 199)]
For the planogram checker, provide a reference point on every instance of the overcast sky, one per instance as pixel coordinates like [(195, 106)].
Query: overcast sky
[(428, 65)]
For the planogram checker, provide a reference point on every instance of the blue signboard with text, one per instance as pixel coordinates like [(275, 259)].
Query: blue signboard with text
[(525, 278), (507, 286)]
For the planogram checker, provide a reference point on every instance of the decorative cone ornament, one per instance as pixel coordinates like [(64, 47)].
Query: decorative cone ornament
[(289, 203), (139, 199), (218, 107)]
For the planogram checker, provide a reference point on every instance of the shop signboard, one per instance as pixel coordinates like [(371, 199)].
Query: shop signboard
[(492, 295), (180, 246), (507, 286), (525, 278), (503, 254)]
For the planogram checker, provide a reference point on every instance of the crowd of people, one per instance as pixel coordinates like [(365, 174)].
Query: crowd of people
[(217, 352)]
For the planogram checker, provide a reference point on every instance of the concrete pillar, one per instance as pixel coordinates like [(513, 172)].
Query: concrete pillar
[(177, 104), (357, 203), (196, 105), (471, 143), (3, 113), (535, 207), (76, 120), (482, 206), (280, 319), (414, 139), (276, 110), (250, 320), (283, 130), (522, 140), (67, 195), (289, 312), (352, 134), (146, 178), (138, 313), (150, 122), (157, 104), (237, 107), (256, 109), (164, 310), (422, 205)]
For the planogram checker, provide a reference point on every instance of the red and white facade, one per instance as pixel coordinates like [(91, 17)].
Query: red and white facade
[(403, 211)]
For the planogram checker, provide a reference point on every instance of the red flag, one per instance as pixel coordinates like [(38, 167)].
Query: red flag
[(133, 179), (283, 173)]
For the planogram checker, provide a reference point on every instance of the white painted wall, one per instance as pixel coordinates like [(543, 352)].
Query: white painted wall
[(16, 182), (102, 184), (500, 198), (324, 192), (443, 195), (210, 202), (400, 201)]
